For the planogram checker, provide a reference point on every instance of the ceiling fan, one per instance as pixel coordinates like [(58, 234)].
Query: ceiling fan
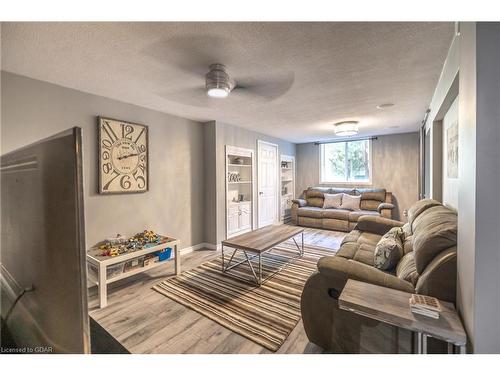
[(219, 84), (195, 54)]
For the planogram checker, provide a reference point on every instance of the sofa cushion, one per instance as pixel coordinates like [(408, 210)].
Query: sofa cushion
[(365, 254), (315, 196), (348, 250), (389, 250), (420, 207), (408, 244), (362, 237), (406, 269), (372, 194), (434, 230), (369, 204), (355, 215), (317, 192), (350, 202), (308, 211), (407, 230), (332, 200), (315, 202), (336, 213), (349, 191)]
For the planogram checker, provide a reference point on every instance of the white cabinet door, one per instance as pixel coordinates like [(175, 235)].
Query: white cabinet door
[(245, 218), (233, 222)]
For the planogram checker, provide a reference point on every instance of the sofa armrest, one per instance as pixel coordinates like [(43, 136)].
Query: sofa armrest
[(385, 206), (300, 202), (376, 224), (338, 270)]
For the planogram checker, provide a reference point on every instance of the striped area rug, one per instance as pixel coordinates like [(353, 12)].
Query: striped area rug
[(265, 314)]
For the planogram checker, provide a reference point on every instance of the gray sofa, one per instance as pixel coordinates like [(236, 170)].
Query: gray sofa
[(308, 211), (430, 239)]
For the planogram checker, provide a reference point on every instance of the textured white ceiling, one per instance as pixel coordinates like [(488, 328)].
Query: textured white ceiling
[(327, 72)]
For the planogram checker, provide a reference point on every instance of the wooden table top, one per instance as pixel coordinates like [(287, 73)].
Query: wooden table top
[(263, 239), (392, 306)]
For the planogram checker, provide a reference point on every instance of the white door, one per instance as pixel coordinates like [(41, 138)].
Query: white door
[(267, 183)]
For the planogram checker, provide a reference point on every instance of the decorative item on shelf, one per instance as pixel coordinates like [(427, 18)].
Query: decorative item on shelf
[(233, 176), (425, 305), (238, 160), (232, 195), (119, 245), (240, 197), (284, 164)]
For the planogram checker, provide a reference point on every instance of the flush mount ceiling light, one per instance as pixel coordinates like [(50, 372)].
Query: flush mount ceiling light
[(346, 128), (217, 82), (385, 105)]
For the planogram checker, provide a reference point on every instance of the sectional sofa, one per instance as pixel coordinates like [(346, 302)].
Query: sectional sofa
[(429, 267), (308, 211)]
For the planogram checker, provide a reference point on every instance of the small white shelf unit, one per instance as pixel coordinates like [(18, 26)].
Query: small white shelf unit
[(287, 164), (240, 165)]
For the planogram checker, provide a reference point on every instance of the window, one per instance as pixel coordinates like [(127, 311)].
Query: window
[(345, 162)]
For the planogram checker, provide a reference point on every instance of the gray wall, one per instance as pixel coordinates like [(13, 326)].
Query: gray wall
[(394, 167), (226, 134), (33, 109), (474, 58), (487, 183)]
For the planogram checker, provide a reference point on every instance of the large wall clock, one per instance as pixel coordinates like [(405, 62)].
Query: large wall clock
[(123, 157)]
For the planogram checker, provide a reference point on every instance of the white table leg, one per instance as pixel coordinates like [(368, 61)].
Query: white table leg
[(103, 291), (177, 260)]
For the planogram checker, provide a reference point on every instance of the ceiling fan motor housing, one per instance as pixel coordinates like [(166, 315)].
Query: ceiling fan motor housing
[(217, 78)]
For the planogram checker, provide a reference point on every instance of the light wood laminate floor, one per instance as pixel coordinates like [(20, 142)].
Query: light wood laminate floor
[(144, 321)]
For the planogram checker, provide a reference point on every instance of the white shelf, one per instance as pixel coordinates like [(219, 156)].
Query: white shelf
[(135, 271), (239, 214), (288, 182)]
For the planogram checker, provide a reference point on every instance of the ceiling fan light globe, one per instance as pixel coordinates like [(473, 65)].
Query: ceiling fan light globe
[(346, 129), (217, 92)]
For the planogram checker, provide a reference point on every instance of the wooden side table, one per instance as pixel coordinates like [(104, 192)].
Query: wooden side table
[(101, 263), (392, 307)]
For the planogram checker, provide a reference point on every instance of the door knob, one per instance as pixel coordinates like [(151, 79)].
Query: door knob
[(261, 192)]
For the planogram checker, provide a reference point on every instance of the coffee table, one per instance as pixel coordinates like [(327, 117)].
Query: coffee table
[(258, 242)]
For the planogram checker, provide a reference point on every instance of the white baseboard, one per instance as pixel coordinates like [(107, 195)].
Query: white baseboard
[(203, 245), (212, 246)]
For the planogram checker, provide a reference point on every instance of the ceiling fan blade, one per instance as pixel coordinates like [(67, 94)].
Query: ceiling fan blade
[(269, 89), (193, 54)]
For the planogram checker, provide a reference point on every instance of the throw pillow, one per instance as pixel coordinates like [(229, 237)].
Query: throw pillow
[(332, 200), (406, 269), (389, 250), (350, 202)]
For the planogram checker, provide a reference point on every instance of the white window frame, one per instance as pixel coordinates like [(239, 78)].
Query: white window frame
[(347, 183)]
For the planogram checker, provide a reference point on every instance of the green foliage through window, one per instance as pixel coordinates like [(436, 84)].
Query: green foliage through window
[(345, 161)]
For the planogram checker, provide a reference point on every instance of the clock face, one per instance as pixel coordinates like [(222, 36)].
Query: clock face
[(123, 157)]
